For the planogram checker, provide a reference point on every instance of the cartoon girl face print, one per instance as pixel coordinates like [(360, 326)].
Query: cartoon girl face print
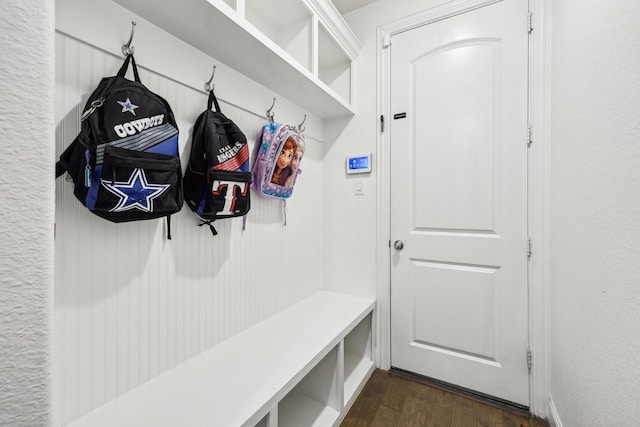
[(295, 161), (282, 169), (284, 159)]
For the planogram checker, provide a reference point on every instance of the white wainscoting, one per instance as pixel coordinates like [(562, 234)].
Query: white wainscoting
[(128, 303)]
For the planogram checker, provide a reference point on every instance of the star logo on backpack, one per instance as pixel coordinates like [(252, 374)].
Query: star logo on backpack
[(128, 106), (136, 193)]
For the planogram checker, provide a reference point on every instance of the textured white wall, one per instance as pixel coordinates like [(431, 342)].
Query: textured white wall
[(595, 212), (26, 197)]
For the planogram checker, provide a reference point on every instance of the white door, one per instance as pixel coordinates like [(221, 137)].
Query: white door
[(459, 200)]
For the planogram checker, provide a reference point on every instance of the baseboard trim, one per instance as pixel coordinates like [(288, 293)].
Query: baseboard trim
[(554, 417)]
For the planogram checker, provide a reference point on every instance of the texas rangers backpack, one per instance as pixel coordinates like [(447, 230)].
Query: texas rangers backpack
[(216, 183), (124, 162), (277, 165)]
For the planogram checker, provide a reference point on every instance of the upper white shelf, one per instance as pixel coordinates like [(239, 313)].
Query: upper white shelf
[(283, 47)]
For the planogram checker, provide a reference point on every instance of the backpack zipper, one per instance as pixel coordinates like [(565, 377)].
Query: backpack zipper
[(94, 105), (87, 169)]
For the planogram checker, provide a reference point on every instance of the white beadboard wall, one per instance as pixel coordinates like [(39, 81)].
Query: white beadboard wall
[(130, 304)]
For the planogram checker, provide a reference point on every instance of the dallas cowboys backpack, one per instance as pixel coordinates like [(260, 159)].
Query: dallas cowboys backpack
[(124, 163), (216, 182), (277, 164)]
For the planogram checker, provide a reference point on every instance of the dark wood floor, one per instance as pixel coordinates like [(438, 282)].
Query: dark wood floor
[(394, 399)]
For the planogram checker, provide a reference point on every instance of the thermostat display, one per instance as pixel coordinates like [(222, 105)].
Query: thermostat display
[(359, 163)]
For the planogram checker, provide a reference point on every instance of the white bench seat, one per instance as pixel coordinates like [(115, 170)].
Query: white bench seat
[(241, 381)]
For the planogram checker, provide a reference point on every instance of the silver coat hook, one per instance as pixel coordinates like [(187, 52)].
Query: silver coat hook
[(127, 49), (300, 126), (269, 113), (208, 86)]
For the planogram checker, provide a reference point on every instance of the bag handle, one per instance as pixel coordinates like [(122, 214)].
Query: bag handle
[(125, 66), (214, 100)]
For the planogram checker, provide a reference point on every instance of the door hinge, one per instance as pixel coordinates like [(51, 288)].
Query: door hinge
[(386, 41), (529, 22), (529, 359), (529, 247), (529, 136), (382, 123)]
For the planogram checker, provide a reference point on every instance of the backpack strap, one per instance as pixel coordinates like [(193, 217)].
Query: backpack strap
[(213, 100), (211, 227), (125, 66), (284, 212)]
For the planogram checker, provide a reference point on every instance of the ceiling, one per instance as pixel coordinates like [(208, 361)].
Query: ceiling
[(345, 6)]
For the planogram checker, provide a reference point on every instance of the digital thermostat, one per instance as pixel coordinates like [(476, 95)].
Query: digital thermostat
[(360, 163)]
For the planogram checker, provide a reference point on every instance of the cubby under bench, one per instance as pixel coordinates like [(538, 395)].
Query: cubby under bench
[(301, 367)]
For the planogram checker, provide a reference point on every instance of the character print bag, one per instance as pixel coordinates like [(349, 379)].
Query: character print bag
[(124, 163), (216, 183), (277, 165)]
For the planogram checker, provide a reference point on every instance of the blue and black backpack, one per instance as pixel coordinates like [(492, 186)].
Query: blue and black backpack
[(124, 163)]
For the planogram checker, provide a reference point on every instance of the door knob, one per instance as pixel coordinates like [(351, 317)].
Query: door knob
[(398, 245)]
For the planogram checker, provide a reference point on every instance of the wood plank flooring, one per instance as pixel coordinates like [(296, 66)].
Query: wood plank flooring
[(393, 400)]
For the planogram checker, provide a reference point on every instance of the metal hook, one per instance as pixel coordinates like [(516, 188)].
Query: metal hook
[(269, 113), (208, 86), (127, 49), (300, 127)]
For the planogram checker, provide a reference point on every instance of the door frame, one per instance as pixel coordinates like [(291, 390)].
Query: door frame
[(538, 183)]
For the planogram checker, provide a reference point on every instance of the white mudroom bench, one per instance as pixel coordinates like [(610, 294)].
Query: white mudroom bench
[(301, 367)]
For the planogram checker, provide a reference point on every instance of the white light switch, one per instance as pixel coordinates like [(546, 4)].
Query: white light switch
[(358, 187)]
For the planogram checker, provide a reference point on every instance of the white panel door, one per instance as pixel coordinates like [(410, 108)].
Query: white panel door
[(459, 200)]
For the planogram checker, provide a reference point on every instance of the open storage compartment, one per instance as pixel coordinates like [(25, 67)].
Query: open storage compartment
[(358, 358), (315, 400), (287, 23), (264, 422), (334, 66)]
